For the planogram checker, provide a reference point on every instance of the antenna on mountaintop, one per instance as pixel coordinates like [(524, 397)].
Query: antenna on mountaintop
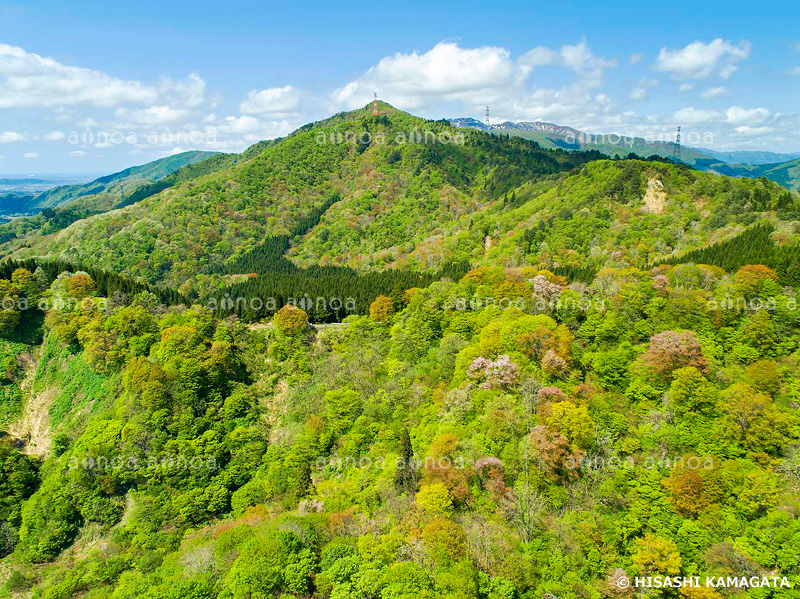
[(676, 152), (375, 103), (487, 118)]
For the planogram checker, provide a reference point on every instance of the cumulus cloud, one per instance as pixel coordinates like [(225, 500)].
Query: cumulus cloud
[(154, 116), (693, 116), (448, 73), (747, 116), (253, 129), (10, 137), (638, 93), (575, 106), (444, 73), (275, 101), (578, 58), (794, 71), (30, 155), (54, 136), (185, 94), (713, 92), (701, 60), (30, 80), (747, 130)]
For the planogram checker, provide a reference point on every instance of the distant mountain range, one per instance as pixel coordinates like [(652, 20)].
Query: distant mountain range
[(782, 168), (750, 156), (115, 186), (58, 207)]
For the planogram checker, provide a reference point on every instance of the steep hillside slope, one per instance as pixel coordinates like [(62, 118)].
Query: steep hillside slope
[(75, 202), (781, 168), (501, 436), (427, 172), (785, 173), (608, 213), (551, 135), (116, 186), (370, 193)]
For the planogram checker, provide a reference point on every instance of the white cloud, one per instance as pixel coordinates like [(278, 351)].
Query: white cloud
[(693, 116), (686, 87), (747, 130), (243, 124), (713, 92), (10, 137), (275, 101), (699, 60), (575, 106), (153, 116), (446, 72), (635, 58), (539, 57), (188, 94), (747, 116), (77, 154), (473, 77), (30, 155), (578, 58), (794, 71), (638, 93), (54, 136), (252, 129), (28, 80)]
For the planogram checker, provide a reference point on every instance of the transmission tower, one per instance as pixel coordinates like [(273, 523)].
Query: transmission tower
[(676, 152), (375, 103), (488, 127)]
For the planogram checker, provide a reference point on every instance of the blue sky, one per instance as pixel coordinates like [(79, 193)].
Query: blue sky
[(98, 86)]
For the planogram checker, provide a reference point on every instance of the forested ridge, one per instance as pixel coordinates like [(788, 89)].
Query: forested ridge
[(555, 439), (555, 372)]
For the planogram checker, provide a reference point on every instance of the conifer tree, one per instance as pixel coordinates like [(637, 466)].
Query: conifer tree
[(406, 476)]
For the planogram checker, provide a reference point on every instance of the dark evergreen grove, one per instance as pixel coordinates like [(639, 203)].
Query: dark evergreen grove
[(106, 282), (753, 246)]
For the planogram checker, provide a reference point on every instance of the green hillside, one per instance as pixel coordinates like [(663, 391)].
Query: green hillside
[(75, 202), (733, 164), (117, 186), (612, 145), (606, 213), (192, 232), (499, 436), (323, 198), (750, 156), (550, 372), (785, 173)]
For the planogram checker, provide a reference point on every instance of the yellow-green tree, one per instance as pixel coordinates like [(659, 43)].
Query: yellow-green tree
[(656, 556), (290, 320), (434, 498), (382, 309)]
